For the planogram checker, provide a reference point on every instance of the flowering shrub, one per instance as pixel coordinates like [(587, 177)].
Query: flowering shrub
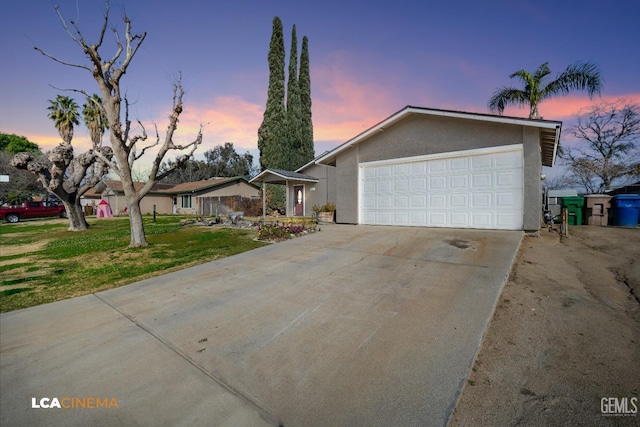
[(279, 232)]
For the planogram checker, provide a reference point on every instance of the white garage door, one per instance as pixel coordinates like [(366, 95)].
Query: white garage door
[(467, 189)]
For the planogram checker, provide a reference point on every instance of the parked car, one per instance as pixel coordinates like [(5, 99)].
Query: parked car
[(32, 210)]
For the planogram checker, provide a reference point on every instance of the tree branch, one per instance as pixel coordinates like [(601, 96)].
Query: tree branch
[(69, 64)]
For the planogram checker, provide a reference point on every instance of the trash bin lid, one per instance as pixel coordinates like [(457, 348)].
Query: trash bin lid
[(630, 200), (572, 201), (627, 196)]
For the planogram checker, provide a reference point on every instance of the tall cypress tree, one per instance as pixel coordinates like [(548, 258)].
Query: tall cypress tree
[(294, 110), (306, 123), (273, 132)]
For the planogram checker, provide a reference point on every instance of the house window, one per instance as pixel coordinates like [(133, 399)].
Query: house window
[(186, 201)]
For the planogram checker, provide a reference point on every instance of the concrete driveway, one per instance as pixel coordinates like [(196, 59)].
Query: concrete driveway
[(350, 326)]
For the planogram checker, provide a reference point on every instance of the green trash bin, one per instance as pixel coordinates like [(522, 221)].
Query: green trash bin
[(574, 206)]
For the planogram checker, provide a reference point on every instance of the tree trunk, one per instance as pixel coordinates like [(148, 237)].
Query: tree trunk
[(533, 112), (136, 225), (77, 222)]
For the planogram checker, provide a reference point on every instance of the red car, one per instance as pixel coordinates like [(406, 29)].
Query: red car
[(32, 210)]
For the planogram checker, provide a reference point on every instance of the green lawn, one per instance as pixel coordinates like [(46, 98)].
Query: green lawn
[(41, 262)]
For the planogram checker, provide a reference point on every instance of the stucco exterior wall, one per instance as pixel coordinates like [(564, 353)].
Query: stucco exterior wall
[(321, 192), (164, 204), (347, 186), (419, 135), (532, 183)]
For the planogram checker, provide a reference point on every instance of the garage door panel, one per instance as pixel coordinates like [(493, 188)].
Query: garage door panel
[(482, 219), (482, 180), (458, 182), (418, 184), (507, 220), (401, 202), (484, 190), (401, 218), (438, 183), (369, 217), (369, 202), (418, 201), (511, 178), (459, 200), (481, 162), (384, 186), (437, 219), (508, 200), (369, 187), (384, 171), (419, 168), (437, 201), (401, 185), (482, 200), (459, 164), (385, 217), (402, 169), (437, 166), (384, 202), (418, 218), (459, 219)]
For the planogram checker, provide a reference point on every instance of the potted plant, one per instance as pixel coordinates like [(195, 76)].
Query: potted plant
[(324, 213)]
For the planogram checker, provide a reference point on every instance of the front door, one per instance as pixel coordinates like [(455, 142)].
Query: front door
[(298, 208)]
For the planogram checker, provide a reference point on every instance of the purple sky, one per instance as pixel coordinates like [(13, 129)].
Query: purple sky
[(368, 59)]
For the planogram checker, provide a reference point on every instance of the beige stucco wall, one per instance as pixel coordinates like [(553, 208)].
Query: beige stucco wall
[(164, 204), (347, 186), (318, 193), (532, 182), (421, 134)]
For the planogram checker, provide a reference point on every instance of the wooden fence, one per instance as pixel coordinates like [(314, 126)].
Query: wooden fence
[(222, 205)]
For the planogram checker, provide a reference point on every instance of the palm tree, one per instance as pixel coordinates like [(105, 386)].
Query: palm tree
[(94, 119), (64, 113), (579, 76)]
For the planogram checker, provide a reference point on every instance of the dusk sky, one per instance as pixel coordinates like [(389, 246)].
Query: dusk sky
[(368, 60)]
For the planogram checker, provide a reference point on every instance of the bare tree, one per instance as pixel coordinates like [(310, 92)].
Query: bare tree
[(68, 176), (108, 73), (608, 151)]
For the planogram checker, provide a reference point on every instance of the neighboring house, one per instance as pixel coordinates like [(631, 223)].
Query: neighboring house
[(428, 167), (187, 198), (627, 189)]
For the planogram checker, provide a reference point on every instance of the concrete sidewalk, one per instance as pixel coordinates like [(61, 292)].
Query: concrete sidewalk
[(354, 325)]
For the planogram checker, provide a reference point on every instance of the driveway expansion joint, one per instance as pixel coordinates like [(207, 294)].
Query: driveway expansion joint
[(263, 412)]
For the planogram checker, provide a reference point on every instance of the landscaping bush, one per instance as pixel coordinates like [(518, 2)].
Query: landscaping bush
[(280, 232)]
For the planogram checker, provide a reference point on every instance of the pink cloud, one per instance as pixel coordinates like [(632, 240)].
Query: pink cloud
[(345, 103), (567, 107), (226, 119)]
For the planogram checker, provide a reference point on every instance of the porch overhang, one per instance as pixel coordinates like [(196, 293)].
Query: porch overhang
[(282, 177)]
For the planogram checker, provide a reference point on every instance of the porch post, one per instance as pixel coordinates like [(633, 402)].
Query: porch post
[(264, 199), (286, 189)]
